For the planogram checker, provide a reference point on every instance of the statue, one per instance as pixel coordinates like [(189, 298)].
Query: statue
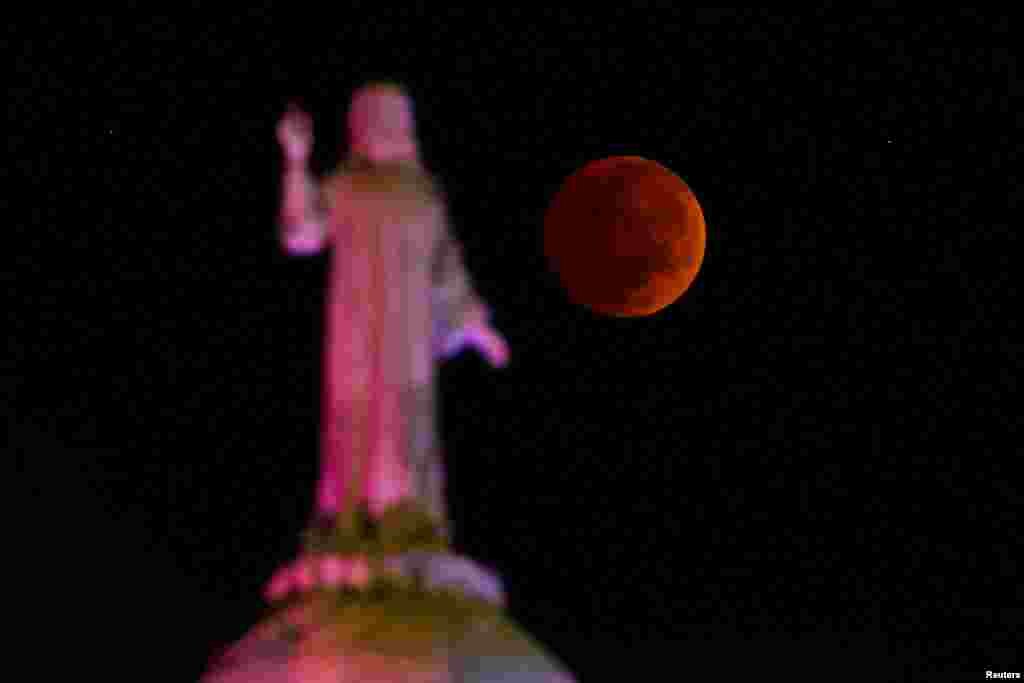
[(377, 594), (399, 297)]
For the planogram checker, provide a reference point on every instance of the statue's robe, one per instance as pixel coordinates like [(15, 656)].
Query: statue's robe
[(398, 286)]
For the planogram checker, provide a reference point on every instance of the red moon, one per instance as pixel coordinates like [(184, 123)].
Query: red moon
[(625, 236)]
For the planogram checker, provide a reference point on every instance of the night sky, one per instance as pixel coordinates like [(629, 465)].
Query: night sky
[(803, 465)]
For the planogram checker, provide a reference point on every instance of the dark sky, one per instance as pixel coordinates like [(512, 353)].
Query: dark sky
[(816, 439)]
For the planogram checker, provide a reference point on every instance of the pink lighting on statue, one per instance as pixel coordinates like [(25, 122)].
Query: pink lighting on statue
[(304, 243), (303, 575), (399, 300), (381, 125), (331, 571), (396, 278), (279, 585)]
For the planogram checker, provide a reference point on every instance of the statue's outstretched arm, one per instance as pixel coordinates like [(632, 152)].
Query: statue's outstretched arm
[(302, 221)]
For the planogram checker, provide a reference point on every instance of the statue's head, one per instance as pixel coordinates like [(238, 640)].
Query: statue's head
[(381, 126)]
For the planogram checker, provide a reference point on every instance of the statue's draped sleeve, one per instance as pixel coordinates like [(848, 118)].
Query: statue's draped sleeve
[(456, 302)]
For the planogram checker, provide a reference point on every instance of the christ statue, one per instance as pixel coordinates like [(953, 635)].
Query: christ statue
[(377, 594), (399, 298)]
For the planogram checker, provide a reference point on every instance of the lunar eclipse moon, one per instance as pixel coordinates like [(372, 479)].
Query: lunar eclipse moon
[(625, 236)]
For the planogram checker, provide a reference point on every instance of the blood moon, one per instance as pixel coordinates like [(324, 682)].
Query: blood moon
[(625, 236)]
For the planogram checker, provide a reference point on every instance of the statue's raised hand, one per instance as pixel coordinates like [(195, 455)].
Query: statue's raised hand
[(295, 133)]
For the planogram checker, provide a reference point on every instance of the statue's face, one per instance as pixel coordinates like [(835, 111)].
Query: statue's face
[(381, 125)]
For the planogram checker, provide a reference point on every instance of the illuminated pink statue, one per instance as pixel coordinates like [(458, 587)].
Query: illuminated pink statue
[(399, 298)]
